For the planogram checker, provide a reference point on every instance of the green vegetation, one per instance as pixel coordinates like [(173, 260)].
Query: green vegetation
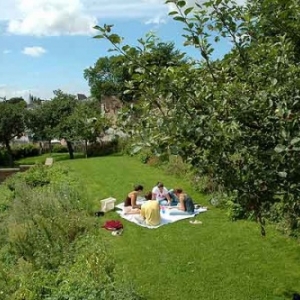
[(54, 206), (217, 260), (12, 123), (42, 158), (236, 119), (52, 247), (233, 124)]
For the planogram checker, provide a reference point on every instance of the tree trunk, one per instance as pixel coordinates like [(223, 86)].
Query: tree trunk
[(86, 148), (50, 147), (10, 155), (41, 150), (70, 149)]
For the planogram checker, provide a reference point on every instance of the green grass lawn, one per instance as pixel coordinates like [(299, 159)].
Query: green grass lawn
[(41, 159), (219, 259)]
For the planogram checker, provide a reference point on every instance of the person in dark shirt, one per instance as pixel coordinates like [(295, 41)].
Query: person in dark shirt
[(132, 197), (186, 205)]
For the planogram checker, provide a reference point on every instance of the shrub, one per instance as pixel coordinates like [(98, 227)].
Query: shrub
[(59, 149), (176, 166), (40, 175), (103, 148), (50, 246), (18, 152), (87, 274), (144, 155), (4, 157), (26, 150), (205, 184)]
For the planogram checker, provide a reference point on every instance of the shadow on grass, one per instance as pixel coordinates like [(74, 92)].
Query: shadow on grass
[(42, 158), (291, 294), (56, 157)]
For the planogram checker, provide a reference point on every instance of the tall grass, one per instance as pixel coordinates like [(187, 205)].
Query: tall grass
[(50, 245)]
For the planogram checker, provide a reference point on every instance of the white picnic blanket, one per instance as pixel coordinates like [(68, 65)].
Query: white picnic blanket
[(165, 217)]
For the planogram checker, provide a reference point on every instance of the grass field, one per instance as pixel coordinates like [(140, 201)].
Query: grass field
[(218, 260), (41, 159)]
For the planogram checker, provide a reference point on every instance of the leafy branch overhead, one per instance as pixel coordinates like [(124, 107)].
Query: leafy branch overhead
[(235, 119)]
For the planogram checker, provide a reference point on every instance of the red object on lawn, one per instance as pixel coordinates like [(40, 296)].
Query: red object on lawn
[(112, 225)]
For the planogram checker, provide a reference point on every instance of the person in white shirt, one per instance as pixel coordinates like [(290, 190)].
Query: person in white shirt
[(161, 194)]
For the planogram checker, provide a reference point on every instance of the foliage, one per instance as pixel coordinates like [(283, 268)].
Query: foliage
[(12, 122), (5, 158), (42, 158), (103, 148), (235, 119), (42, 120), (59, 149), (50, 248), (18, 152), (226, 259), (107, 77), (110, 75), (67, 118), (40, 175)]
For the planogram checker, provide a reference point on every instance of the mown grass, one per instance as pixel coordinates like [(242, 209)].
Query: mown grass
[(42, 158), (219, 259)]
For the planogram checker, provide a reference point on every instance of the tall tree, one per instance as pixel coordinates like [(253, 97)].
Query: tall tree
[(12, 122), (41, 121), (236, 119), (110, 75), (107, 77)]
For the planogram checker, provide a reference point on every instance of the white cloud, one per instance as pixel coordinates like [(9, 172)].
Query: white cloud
[(192, 3), (72, 17), (34, 51), (156, 20), (77, 17), (51, 18), (10, 92)]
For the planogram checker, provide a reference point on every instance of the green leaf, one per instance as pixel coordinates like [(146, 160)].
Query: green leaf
[(99, 36), (125, 48), (136, 149), (279, 148), (178, 18), (188, 10), (171, 13), (97, 27), (181, 3), (282, 174), (295, 141), (114, 38)]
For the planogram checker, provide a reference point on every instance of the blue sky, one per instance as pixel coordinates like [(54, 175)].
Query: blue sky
[(46, 44)]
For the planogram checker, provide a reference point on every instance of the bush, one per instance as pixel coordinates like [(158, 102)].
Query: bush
[(26, 150), (176, 166), (89, 274), (50, 247), (18, 152), (59, 149), (144, 155), (205, 184), (40, 175), (4, 157), (103, 148)]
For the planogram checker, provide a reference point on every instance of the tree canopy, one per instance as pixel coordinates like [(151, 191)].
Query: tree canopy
[(12, 122), (110, 74), (65, 117), (235, 119)]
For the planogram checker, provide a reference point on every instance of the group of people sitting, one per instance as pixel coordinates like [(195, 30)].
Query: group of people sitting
[(176, 200)]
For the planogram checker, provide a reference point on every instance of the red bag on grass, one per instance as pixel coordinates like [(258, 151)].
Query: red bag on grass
[(113, 225)]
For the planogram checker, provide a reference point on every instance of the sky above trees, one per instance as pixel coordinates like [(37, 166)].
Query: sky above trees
[(46, 44)]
